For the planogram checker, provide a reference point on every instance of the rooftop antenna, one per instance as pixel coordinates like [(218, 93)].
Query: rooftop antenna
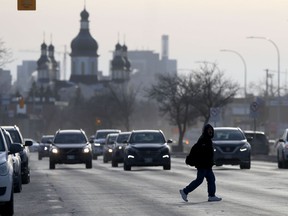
[(44, 37)]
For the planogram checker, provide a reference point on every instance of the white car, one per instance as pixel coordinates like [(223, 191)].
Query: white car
[(282, 150), (6, 175)]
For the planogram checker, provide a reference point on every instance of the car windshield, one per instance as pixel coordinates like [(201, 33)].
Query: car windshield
[(15, 136), (69, 138), (103, 135), (111, 139), (122, 138), (46, 139), (228, 135), (147, 138)]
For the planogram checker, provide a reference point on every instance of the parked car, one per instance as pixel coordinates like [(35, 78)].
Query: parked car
[(17, 180), (147, 148), (108, 147), (258, 141), (17, 137), (70, 147), (6, 175), (118, 151), (99, 141), (44, 146), (282, 150), (35, 145), (231, 147)]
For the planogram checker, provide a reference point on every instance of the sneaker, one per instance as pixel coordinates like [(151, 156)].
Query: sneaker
[(183, 195), (214, 199)]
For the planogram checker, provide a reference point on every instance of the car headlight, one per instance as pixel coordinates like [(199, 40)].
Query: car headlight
[(54, 150), (110, 150), (120, 147), (86, 150), (45, 148), (244, 148), (3, 169)]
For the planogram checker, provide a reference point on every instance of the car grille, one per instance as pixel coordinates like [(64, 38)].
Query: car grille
[(70, 151), (228, 149)]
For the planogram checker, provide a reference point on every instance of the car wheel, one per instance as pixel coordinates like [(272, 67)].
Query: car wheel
[(105, 159), (26, 178), (18, 187), (39, 157), (51, 165), (246, 165), (8, 208), (167, 167), (95, 157), (280, 163), (126, 167), (114, 163), (89, 164)]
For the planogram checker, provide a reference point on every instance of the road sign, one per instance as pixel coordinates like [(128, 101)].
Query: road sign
[(254, 107), (215, 114)]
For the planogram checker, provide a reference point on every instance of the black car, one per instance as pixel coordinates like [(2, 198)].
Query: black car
[(231, 147), (17, 137), (44, 146), (70, 147), (147, 148), (109, 146), (118, 151), (258, 141)]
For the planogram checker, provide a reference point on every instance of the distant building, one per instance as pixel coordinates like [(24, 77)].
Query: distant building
[(26, 74), (146, 64), (5, 82)]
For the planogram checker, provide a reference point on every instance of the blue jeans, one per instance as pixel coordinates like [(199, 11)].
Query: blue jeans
[(201, 174)]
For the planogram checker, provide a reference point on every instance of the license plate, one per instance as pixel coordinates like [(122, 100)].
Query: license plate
[(148, 160), (228, 156), (70, 157)]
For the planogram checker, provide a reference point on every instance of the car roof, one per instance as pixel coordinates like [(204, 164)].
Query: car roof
[(142, 131), (254, 132), (107, 130), (227, 128), (70, 131), (112, 134)]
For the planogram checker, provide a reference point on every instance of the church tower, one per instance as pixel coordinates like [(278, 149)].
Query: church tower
[(84, 57)]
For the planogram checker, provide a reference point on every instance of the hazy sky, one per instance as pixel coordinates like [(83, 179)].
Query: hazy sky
[(197, 29)]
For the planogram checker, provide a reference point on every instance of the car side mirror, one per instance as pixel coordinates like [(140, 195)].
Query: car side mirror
[(28, 143), (169, 141), (15, 148), (281, 140), (249, 138)]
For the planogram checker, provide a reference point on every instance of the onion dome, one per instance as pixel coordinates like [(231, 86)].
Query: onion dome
[(43, 61), (118, 62), (51, 55), (84, 44), (128, 64)]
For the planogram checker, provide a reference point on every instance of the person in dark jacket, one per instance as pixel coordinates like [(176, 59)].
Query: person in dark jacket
[(204, 163)]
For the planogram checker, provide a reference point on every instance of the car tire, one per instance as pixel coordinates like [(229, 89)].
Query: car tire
[(39, 157), (167, 167), (51, 165), (126, 167), (245, 165), (114, 163), (18, 187), (95, 157), (89, 164), (279, 162), (105, 159), (26, 178), (8, 207)]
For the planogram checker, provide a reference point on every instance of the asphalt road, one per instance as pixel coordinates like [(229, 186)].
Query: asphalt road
[(150, 191)]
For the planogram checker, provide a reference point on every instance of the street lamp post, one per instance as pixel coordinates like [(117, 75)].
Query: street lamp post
[(245, 68), (278, 62)]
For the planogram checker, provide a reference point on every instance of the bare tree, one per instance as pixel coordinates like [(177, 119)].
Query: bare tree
[(216, 91), (5, 54), (175, 96), (124, 97)]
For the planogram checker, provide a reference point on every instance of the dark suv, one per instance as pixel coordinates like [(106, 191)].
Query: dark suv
[(44, 146), (147, 148), (70, 147), (258, 141), (17, 138)]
